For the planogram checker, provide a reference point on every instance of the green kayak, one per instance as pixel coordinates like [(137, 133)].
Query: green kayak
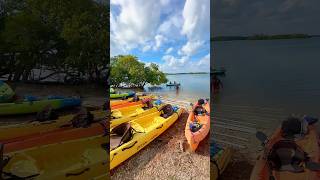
[(33, 105), (122, 95), (6, 93)]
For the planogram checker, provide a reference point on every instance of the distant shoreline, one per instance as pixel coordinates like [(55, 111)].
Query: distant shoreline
[(187, 73), (263, 37)]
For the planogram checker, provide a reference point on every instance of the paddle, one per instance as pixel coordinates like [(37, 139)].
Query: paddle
[(263, 138)]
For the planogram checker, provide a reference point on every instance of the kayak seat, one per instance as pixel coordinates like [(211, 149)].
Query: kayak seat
[(199, 110), (148, 104), (167, 111), (120, 135), (286, 155), (83, 119)]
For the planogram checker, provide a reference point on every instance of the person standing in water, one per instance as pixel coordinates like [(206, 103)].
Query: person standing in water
[(216, 84)]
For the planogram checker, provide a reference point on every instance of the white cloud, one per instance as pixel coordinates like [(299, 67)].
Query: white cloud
[(159, 39), (146, 48), (136, 23), (191, 47), (173, 62), (196, 25), (169, 50), (196, 16), (185, 64), (205, 61), (172, 26)]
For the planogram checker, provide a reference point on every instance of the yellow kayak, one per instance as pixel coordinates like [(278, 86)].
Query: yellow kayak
[(129, 138), (24, 129), (125, 114), (118, 102), (78, 159), (219, 162)]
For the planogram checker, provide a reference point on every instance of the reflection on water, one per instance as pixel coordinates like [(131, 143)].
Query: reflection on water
[(274, 73)]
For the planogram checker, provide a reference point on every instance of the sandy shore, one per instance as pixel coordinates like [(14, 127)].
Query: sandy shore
[(164, 158), (235, 126)]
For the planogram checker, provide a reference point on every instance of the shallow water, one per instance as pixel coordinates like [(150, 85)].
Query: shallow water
[(192, 88), (266, 81), (274, 73)]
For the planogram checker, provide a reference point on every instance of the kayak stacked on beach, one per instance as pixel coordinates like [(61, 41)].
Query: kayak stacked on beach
[(125, 114), (292, 152), (74, 153), (32, 104), (116, 104), (11, 132), (117, 95), (67, 147), (131, 136), (53, 146), (198, 123)]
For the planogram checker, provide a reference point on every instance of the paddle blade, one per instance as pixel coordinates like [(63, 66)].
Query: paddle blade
[(313, 166), (263, 138)]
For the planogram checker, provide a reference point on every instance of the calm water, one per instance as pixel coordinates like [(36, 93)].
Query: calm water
[(193, 87), (273, 73)]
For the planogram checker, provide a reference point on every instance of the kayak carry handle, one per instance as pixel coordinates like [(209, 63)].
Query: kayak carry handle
[(130, 146), (159, 127)]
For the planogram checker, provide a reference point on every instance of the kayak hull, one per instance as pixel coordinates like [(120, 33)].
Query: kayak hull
[(129, 113), (77, 159), (123, 103), (150, 126), (123, 95), (194, 138), (55, 136), (27, 107), (34, 128)]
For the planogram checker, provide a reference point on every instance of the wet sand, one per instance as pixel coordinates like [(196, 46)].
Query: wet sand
[(235, 126), (165, 159)]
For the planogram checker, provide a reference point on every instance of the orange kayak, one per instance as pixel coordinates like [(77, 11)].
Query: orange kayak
[(200, 117), (125, 104), (55, 136), (309, 144)]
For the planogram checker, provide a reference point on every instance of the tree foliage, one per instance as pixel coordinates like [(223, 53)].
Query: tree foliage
[(128, 70), (69, 37)]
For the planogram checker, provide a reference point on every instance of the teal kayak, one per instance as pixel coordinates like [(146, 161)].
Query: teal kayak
[(34, 105)]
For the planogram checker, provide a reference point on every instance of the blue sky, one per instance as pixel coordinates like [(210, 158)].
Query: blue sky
[(175, 34)]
